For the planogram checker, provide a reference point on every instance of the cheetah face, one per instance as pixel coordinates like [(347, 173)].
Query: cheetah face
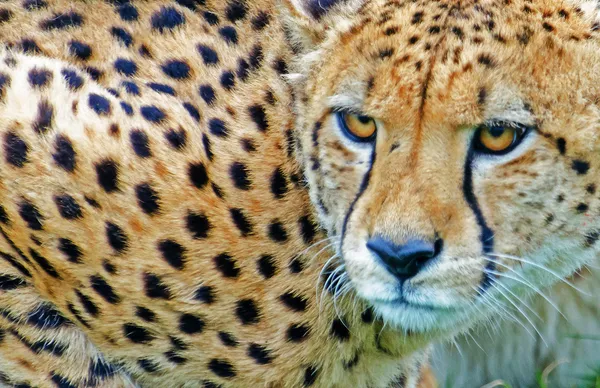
[(452, 153)]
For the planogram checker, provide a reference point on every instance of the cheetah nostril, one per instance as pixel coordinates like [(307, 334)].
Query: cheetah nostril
[(404, 261)]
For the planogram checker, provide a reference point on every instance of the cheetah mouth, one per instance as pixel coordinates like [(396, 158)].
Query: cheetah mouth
[(418, 317), (402, 302)]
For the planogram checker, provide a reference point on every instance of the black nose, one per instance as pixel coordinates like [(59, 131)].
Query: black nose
[(404, 261)]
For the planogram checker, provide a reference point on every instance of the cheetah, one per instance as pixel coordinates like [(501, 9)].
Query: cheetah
[(284, 193)]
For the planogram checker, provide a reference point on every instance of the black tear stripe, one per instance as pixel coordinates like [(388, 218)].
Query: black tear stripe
[(487, 235), (361, 190)]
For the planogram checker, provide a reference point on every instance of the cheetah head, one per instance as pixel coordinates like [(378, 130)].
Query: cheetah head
[(451, 148)]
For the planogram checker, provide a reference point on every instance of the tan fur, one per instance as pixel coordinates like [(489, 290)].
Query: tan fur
[(138, 302)]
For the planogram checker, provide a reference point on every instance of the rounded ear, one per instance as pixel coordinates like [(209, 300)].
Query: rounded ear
[(307, 21)]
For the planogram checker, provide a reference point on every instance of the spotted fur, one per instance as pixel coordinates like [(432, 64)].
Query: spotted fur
[(171, 169)]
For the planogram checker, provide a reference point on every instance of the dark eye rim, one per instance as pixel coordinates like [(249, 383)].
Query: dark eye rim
[(521, 133), (342, 123)]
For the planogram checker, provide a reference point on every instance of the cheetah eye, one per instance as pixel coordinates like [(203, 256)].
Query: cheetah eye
[(358, 128), (499, 138)]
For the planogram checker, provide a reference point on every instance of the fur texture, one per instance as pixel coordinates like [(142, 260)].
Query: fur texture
[(171, 170)]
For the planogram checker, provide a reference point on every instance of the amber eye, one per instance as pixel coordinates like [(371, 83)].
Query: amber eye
[(358, 128), (499, 138)]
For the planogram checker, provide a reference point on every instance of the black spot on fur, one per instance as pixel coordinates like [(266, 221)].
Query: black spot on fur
[(307, 229), (260, 21), (137, 334), (117, 238), (104, 289), (80, 50), (152, 114), (70, 250), (74, 81), (147, 198), (125, 67), (227, 80), (368, 316), (239, 175), (229, 34), (241, 221), (30, 47), (209, 55), (191, 4), (31, 215), (580, 166), (222, 368), (207, 93), (260, 354), (228, 339), (207, 147), (167, 18), (293, 301), (296, 266), (173, 253), (210, 18), (68, 207), (99, 104), (108, 175), (198, 175), (256, 57), (61, 21), (310, 376), (122, 36), (140, 143), (277, 232), (259, 116), (45, 316), (198, 225), (155, 288), (247, 312), (582, 208), (44, 118), (236, 10), (100, 369), (9, 282), (148, 366), (44, 264), (34, 5), (205, 294), (161, 88), (339, 330), (176, 69), (15, 263), (267, 266), (15, 150), (218, 128), (297, 332), (190, 324), (177, 139), (64, 154), (4, 218), (128, 12), (226, 265), (61, 382)]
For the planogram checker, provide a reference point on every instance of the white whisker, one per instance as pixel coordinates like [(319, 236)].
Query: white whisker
[(562, 279)]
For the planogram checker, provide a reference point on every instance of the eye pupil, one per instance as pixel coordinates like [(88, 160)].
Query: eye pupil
[(497, 131), (364, 119)]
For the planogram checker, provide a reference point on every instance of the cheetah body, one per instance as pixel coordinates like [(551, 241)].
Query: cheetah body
[(171, 174)]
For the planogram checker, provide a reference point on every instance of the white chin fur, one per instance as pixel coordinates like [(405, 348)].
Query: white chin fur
[(560, 261)]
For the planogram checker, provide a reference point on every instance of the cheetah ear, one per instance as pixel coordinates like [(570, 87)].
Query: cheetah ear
[(307, 22)]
